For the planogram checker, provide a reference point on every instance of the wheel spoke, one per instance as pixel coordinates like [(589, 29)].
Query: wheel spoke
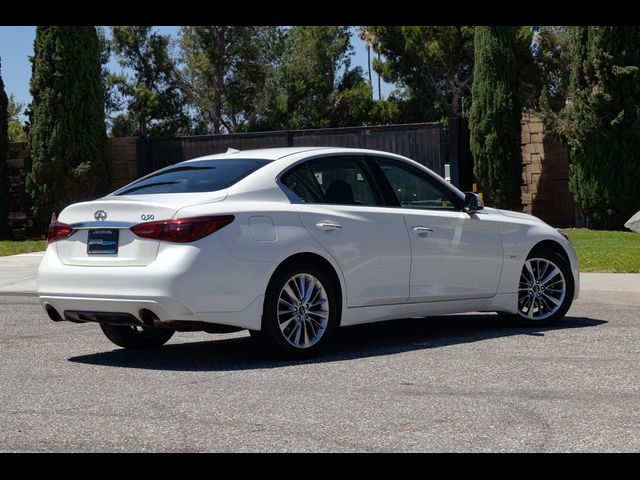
[(289, 291), (287, 303), (555, 301), (546, 279), (543, 271), (315, 324), (527, 264), (311, 284), (553, 290), (286, 323), (297, 290), (306, 334), (315, 303), (319, 313), (546, 303), (299, 336), (530, 310)]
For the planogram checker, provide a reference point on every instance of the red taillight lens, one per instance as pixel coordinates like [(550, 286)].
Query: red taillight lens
[(58, 231), (182, 230)]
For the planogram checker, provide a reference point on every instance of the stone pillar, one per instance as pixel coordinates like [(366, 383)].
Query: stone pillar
[(545, 187)]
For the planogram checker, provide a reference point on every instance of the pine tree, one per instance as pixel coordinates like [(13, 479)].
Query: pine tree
[(601, 123), (67, 134), (5, 232), (494, 120)]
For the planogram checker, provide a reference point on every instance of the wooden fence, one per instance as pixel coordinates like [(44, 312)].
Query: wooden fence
[(423, 142)]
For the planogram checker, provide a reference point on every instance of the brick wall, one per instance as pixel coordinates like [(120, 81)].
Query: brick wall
[(545, 188)]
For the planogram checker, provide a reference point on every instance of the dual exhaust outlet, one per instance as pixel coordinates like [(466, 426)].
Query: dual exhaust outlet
[(147, 317)]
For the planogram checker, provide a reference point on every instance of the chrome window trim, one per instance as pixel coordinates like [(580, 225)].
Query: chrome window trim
[(294, 199)]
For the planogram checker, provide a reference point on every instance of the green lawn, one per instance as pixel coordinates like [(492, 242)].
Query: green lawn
[(13, 248), (606, 251)]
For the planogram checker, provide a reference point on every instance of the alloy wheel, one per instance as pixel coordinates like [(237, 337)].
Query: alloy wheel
[(541, 290), (303, 310)]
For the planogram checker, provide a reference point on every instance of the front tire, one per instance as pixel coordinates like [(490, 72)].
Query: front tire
[(136, 337), (300, 312), (545, 290)]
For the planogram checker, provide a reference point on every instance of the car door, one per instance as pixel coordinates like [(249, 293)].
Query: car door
[(342, 207), (454, 255)]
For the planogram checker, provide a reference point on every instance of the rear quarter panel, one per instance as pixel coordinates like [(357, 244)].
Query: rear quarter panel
[(250, 237)]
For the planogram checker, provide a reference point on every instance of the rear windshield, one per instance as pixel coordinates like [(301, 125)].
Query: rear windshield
[(201, 176)]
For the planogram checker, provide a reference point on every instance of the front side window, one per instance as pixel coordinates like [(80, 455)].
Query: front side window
[(333, 180), (190, 177), (415, 189)]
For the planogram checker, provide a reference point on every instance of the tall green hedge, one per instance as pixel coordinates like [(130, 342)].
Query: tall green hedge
[(494, 119), (67, 137), (5, 232), (601, 123)]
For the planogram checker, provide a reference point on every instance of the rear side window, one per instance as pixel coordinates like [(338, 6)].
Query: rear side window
[(191, 177)]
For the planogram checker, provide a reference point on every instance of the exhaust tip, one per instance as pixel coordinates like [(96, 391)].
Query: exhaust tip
[(53, 313), (148, 317)]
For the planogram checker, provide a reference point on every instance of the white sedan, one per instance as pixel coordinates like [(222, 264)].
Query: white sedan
[(291, 243)]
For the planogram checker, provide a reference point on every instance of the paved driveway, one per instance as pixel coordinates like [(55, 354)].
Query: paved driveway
[(456, 383)]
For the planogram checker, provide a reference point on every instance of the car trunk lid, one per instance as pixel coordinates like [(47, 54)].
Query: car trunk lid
[(102, 235)]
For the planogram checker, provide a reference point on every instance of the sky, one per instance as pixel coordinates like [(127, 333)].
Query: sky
[(16, 45)]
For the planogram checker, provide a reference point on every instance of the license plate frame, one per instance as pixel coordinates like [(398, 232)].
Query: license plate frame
[(103, 241)]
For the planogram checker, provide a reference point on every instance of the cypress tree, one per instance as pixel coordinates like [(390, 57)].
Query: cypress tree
[(601, 123), (494, 119), (5, 232), (67, 137)]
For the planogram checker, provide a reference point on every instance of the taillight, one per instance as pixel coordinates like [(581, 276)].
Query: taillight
[(182, 230), (58, 231)]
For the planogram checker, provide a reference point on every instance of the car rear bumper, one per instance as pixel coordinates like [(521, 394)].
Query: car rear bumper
[(182, 284)]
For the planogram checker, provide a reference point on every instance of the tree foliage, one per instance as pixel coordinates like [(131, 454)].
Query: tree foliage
[(552, 57), (225, 79), (4, 168), (601, 123), (16, 129), (433, 65), (228, 74), (317, 87), (495, 116), (67, 134), (151, 96), (308, 77)]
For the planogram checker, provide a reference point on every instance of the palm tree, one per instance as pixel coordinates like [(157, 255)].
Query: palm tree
[(366, 35)]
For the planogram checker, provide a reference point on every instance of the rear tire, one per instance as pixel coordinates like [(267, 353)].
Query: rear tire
[(136, 338), (544, 296), (300, 312)]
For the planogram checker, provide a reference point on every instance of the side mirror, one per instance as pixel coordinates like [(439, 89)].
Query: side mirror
[(472, 203)]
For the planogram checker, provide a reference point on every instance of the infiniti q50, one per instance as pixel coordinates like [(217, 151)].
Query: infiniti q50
[(292, 243)]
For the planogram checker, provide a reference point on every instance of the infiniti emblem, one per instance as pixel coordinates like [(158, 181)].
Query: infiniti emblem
[(100, 215)]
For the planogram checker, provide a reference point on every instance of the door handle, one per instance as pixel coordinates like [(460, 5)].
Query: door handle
[(328, 226), (422, 231)]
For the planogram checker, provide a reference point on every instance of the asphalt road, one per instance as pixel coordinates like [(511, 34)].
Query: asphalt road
[(457, 383)]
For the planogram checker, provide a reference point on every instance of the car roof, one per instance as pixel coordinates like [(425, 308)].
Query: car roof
[(275, 153)]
